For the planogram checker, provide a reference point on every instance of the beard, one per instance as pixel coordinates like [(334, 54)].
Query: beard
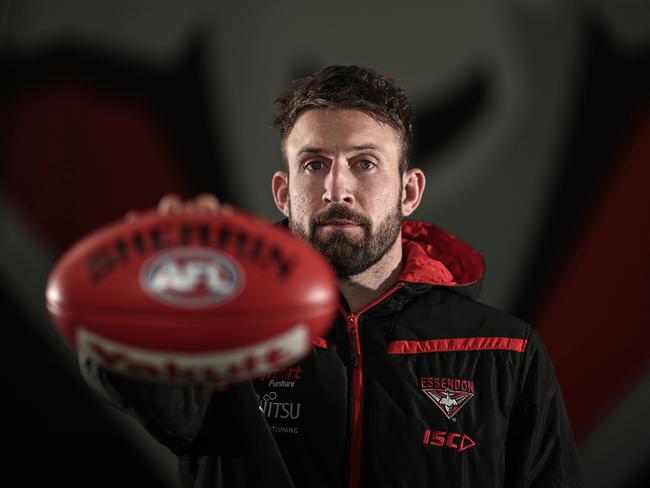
[(350, 255)]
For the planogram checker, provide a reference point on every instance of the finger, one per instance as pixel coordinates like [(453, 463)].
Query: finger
[(170, 203), (207, 202), (131, 215)]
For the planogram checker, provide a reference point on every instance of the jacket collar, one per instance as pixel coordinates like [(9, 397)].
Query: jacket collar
[(434, 256)]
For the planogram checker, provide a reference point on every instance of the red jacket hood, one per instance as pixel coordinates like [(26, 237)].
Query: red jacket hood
[(432, 255)]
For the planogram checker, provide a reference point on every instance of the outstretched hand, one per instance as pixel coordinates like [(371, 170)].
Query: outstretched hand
[(173, 203), (204, 202)]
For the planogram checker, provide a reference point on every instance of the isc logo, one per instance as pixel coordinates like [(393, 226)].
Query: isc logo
[(453, 440), (191, 277)]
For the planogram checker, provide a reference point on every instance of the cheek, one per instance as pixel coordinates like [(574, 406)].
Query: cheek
[(301, 202), (306, 190), (382, 196), (382, 205)]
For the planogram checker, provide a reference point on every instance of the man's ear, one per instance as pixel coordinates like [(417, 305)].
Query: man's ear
[(280, 184), (413, 183)]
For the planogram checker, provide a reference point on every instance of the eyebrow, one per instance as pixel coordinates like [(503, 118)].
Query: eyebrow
[(315, 150)]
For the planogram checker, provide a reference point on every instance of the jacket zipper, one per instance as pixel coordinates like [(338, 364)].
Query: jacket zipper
[(352, 323)]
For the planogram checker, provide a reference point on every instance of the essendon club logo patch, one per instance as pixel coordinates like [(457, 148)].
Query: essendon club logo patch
[(449, 394)]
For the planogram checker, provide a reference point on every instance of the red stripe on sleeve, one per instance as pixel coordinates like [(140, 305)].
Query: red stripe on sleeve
[(458, 344)]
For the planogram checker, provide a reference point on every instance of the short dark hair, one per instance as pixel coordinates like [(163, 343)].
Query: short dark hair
[(349, 87)]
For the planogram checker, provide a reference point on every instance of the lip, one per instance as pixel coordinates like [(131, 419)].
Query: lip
[(339, 223)]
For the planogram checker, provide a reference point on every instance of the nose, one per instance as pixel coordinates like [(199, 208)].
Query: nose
[(338, 184)]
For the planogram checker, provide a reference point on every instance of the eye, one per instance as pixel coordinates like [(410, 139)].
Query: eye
[(314, 166), (366, 164)]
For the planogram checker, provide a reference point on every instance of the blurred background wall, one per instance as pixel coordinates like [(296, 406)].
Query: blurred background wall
[(533, 128)]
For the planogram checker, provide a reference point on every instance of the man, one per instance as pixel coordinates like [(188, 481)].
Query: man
[(417, 384)]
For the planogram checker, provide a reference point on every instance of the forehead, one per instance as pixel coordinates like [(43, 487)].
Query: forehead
[(341, 131)]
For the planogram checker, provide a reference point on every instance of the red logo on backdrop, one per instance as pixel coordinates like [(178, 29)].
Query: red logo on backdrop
[(191, 277), (449, 394), (452, 440)]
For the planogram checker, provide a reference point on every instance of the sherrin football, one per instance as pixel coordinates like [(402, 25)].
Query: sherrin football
[(191, 297)]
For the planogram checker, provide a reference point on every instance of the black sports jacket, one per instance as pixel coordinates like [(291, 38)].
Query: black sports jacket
[(423, 387)]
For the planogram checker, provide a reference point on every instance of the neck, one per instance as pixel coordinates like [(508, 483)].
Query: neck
[(361, 289)]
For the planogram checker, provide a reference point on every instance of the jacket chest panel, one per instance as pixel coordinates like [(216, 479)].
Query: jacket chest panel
[(313, 391), (440, 410), (306, 408)]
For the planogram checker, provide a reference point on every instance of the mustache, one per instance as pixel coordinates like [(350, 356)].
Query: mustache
[(339, 212)]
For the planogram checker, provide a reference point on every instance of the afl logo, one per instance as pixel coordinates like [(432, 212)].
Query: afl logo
[(191, 277)]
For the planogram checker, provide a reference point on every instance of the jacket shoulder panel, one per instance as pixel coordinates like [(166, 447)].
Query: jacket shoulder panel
[(441, 313)]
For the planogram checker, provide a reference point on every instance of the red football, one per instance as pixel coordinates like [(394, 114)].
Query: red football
[(192, 297)]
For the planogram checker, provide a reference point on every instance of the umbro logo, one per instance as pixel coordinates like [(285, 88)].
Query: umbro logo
[(449, 394)]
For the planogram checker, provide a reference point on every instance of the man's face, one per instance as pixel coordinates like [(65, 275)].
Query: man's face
[(344, 186)]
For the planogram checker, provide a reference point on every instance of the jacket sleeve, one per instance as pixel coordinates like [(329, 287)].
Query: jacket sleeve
[(173, 415), (540, 449), (198, 424)]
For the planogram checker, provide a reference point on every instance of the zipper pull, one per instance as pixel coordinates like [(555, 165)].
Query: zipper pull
[(353, 342)]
